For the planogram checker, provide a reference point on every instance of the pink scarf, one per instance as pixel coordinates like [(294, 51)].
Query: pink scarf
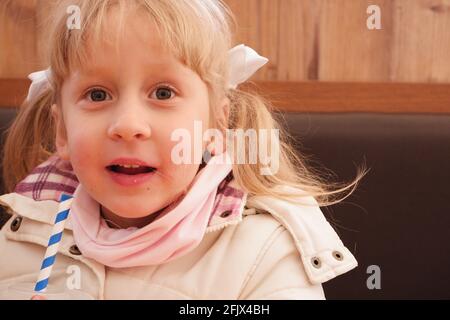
[(170, 236)]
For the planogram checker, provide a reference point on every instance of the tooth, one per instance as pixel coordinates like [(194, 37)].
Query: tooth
[(130, 165)]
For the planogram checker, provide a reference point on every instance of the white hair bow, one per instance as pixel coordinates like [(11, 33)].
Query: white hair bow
[(243, 60), (39, 82)]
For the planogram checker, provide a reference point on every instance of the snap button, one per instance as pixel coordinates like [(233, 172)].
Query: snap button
[(338, 256), (15, 224), (225, 213), (316, 262), (74, 250)]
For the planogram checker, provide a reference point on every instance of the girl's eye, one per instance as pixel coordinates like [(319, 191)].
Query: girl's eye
[(97, 95), (163, 93)]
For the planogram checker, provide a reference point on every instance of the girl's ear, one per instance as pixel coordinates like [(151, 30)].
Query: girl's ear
[(61, 136)]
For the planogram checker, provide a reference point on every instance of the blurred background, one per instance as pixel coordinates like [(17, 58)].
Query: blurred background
[(354, 81)]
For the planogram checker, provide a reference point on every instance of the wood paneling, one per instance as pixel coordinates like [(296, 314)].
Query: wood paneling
[(17, 38), (421, 41), (348, 50), (328, 40), (325, 40)]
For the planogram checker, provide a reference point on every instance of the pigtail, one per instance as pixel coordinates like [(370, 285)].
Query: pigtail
[(29, 140)]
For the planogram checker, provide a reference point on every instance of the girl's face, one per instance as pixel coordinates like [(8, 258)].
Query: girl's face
[(126, 106)]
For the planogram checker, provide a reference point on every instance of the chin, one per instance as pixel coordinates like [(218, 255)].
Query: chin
[(127, 211)]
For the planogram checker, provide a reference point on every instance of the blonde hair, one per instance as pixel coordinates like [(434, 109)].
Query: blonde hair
[(199, 33)]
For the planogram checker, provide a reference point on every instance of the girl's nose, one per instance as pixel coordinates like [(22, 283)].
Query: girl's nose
[(129, 127)]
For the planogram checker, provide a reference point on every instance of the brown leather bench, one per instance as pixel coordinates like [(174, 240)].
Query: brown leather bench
[(399, 218)]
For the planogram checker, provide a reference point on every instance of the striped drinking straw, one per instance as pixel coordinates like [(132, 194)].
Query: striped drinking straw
[(53, 243)]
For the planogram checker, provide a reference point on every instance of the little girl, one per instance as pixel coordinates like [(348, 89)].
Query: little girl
[(103, 125)]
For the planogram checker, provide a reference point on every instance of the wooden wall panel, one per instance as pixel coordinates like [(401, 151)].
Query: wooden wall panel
[(305, 40), (43, 18), (17, 38), (348, 50), (296, 48), (328, 40), (421, 41)]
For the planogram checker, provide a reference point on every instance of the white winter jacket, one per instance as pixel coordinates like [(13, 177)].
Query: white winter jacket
[(272, 250)]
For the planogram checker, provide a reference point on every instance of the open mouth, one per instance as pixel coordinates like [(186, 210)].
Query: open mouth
[(130, 169)]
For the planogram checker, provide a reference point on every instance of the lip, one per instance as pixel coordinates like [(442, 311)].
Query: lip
[(131, 180)]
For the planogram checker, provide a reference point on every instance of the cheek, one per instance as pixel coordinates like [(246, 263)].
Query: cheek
[(182, 177), (84, 149)]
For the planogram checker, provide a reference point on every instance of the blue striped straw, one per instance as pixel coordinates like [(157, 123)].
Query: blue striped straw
[(53, 243)]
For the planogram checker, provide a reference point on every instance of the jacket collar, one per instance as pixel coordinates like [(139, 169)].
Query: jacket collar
[(322, 252)]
